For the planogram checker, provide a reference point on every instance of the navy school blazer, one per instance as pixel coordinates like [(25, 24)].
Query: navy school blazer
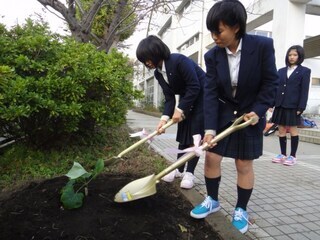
[(293, 91), (257, 84), (185, 78)]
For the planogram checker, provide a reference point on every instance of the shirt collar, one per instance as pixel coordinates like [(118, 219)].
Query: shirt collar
[(163, 68), (238, 49), (292, 68)]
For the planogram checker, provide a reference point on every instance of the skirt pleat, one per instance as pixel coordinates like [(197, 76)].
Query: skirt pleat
[(285, 117), (239, 145)]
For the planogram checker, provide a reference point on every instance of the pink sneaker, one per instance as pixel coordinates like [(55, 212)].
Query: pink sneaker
[(280, 158), (172, 175), (290, 161)]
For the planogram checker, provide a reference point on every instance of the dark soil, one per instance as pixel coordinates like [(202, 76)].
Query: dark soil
[(35, 212)]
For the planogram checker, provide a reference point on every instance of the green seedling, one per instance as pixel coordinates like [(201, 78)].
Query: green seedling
[(78, 178)]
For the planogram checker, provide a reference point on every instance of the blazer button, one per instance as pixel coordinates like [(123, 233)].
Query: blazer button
[(282, 93), (235, 112)]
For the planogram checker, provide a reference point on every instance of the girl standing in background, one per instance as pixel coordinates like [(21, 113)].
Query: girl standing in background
[(291, 101)]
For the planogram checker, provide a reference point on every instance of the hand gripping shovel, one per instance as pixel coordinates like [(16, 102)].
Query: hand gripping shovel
[(117, 158), (146, 186)]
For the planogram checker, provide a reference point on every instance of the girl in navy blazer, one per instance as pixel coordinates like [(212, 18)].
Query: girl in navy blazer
[(291, 101), (181, 80), (241, 79)]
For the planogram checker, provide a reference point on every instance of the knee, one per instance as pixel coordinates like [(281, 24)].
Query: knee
[(244, 167), (282, 131), (212, 161)]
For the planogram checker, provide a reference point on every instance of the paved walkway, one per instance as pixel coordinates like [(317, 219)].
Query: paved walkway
[(285, 203)]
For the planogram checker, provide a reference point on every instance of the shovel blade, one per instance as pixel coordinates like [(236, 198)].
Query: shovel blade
[(137, 189)]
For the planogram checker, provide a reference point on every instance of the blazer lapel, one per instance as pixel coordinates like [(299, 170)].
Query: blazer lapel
[(295, 72), (165, 86), (245, 63), (223, 71), (169, 67)]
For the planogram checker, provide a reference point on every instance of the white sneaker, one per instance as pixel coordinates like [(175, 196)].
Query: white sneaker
[(187, 181), (170, 176)]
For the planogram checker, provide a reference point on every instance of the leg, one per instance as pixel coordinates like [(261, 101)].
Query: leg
[(181, 147), (177, 172), (280, 158), (212, 167), (283, 139), (245, 184), (212, 173), (188, 178), (191, 165), (292, 160), (294, 140)]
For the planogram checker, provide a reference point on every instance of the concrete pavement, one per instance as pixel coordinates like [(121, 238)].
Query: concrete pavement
[(285, 203)]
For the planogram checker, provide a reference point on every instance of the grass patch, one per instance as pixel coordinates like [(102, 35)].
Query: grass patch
[(19, 163)]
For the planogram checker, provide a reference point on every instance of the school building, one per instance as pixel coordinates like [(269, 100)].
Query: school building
[(288, 22)]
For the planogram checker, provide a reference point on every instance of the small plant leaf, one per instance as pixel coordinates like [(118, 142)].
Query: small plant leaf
[(76, 171), (86, 175), (69, 198), (98, 167)]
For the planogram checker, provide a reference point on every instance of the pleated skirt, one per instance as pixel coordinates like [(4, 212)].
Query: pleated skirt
[(285, 117), (240, 145)]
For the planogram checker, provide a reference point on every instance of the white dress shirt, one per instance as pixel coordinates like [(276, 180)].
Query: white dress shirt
[(291, 70), (234, 66)]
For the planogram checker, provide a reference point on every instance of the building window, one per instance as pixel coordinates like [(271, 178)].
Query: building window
[(149, 91)]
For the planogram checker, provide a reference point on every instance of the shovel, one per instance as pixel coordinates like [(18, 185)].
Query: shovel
[(117, 158), (146, 186)]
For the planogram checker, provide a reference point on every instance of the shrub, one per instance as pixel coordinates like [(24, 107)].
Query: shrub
[(52, 86)]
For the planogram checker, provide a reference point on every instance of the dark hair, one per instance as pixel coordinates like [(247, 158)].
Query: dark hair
[(229, 12), (300, 52), (152, 48)]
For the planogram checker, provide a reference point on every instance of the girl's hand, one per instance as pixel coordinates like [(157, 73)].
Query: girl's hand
[(177, 116), (207, 139), (253, 115), (159, 127)]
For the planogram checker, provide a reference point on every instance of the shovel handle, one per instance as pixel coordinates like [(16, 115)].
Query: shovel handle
[(143, 140), (237, 125)]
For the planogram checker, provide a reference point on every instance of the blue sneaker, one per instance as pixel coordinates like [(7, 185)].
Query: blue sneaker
[(205, 208), (240, 220)]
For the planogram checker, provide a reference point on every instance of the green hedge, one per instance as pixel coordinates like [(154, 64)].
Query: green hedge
[(52, 86)]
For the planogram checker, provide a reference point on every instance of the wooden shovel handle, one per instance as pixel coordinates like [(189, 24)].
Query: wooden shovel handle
[(143, 140), (237, 125)]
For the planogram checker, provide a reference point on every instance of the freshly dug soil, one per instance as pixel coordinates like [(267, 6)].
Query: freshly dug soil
[(35, 212)]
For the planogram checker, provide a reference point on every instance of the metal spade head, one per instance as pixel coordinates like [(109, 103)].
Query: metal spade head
[(137, 189)]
